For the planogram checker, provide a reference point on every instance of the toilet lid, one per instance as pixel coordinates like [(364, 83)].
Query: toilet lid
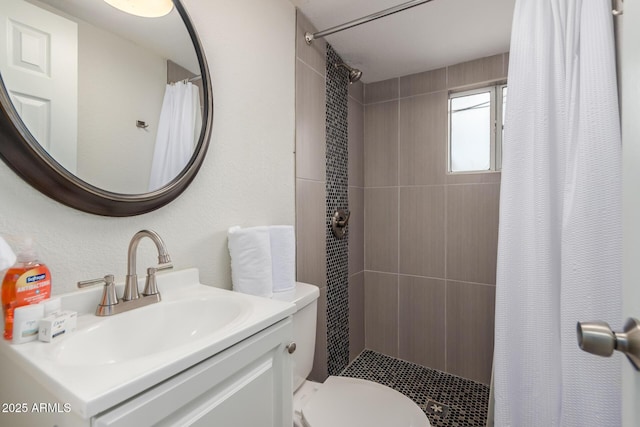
[(348, 402)]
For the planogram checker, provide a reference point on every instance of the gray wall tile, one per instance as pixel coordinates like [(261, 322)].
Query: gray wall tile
[(356, 91), (356, 143), (315, 54), (381, 144), (355, 230), (470, 321), (472, 232), (506, 64), (381, 229), (422, 321), (423, 135), (422, 231), (474, 178), (428, 81), (474, 72), (319, 372), (381, 312), (356, 314), (384, 90), (310, 232), (310, 124)]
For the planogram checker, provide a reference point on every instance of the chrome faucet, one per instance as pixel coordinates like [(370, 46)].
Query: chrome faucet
[(164, 261), (110, 304)]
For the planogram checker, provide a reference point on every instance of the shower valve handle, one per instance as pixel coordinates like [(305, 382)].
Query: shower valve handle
[(598, 338), (339, 222)]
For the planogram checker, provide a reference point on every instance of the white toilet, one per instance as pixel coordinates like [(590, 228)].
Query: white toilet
[(340, 401)]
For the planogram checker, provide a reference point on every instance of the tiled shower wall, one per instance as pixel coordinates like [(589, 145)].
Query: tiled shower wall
[(356, 223), (311, 179), (337, 84), (430, 237), (313, 159), (421, 242)]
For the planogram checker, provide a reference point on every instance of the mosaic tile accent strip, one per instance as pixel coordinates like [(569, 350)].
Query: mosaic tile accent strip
[(337, 190), (448, 401)]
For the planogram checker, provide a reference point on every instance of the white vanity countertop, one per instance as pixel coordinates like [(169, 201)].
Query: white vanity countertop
[(97, 383)]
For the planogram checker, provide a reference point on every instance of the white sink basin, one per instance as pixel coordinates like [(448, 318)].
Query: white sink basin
[(110, 359), (150, 330)]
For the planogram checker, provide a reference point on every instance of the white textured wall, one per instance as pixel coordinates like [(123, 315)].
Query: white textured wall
[(247, 177)]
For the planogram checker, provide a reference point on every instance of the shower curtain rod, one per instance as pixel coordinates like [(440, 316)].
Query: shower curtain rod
[(309, 37), (190, 79)]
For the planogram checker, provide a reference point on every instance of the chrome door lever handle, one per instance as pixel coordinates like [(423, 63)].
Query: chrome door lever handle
[(598, 338)]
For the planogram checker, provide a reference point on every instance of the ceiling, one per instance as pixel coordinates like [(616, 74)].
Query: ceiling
[(166, 36), (425, 37)]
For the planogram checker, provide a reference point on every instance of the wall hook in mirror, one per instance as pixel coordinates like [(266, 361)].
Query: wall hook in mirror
[(339, 223), (141, 124), (619, 8)]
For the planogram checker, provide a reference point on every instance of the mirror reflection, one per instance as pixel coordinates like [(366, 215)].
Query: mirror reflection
[(115, 99)]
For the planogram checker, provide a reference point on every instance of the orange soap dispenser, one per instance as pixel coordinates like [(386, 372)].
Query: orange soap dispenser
[(28, 281)]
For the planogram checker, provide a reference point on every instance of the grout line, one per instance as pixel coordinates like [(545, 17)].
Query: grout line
[(311, 67), (458, 184), (364, 189), (446, 275), (400, 98), (311, 180), (424, 277), (398, 227)]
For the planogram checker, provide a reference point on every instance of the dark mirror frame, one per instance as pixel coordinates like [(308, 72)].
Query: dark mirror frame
[(24, 155)]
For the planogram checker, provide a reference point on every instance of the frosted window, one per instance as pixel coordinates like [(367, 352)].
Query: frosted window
[(476, 128), (471, 132)]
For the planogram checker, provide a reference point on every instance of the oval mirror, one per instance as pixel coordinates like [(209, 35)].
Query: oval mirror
[(104, 111)]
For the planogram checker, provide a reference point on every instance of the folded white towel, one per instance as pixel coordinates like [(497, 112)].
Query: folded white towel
[(250, 251), (283, 257), (7, 257)]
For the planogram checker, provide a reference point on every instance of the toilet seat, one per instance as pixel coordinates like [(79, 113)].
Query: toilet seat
[(348, 402)]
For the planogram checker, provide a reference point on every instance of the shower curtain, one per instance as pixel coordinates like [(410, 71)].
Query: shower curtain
[(178, 131), (560, 239)]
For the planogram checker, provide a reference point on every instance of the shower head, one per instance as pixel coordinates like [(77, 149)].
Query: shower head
[(354, 73)]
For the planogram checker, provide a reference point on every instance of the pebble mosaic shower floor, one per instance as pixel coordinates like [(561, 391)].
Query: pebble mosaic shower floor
[(448, 401)]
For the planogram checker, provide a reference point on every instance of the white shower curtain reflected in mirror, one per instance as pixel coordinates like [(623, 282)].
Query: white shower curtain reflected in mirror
[(178, 131), (560, 239)]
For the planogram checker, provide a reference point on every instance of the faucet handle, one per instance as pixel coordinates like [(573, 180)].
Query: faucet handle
[(150, 285), (106, 280), (163, 266), (109, 296)]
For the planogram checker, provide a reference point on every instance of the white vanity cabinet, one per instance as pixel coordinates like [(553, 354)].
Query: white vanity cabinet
[(249, 384), (202, 356)]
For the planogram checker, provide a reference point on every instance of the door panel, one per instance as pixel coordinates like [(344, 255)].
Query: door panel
[(39, 65)]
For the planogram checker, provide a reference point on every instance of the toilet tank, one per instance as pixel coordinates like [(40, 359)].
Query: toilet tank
[(304, 331)]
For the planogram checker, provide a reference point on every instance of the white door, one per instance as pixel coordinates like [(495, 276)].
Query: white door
[(630, 97), (39, 66)]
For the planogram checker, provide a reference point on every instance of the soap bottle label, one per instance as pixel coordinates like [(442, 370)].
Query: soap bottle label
[(23, 286), (33, 286)]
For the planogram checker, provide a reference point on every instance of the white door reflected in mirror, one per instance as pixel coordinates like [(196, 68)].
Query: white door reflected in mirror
[(40, 60)]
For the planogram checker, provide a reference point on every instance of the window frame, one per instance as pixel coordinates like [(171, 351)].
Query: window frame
[(496, 121)]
